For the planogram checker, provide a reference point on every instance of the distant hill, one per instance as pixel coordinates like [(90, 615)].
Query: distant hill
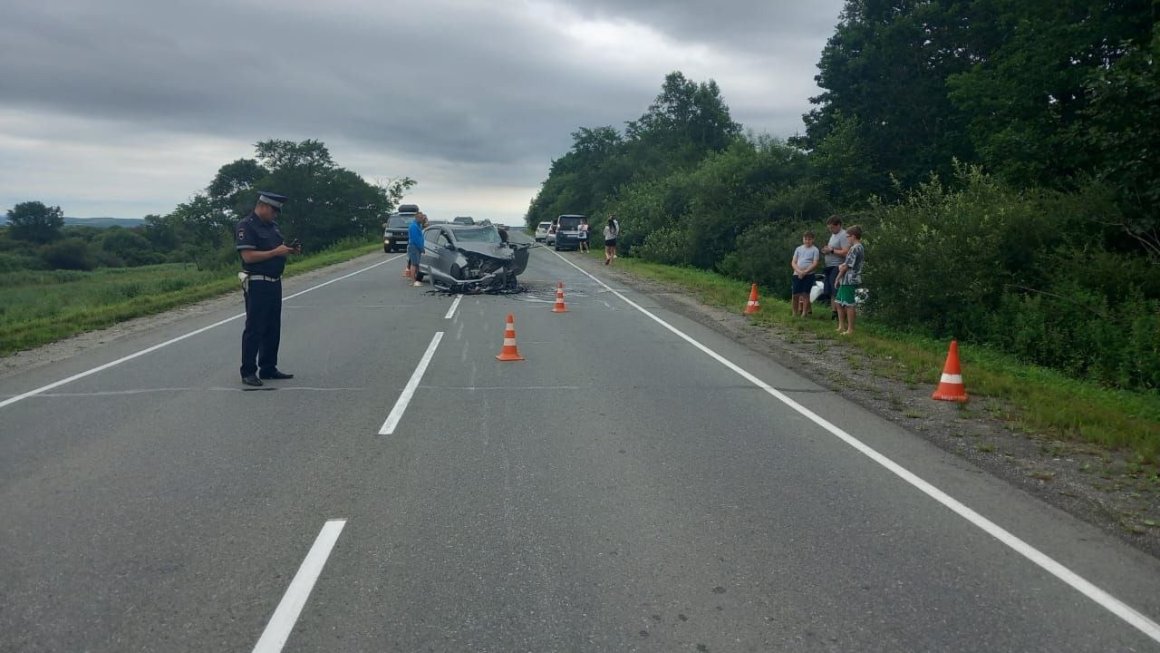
[(105, 222), (100, 223)]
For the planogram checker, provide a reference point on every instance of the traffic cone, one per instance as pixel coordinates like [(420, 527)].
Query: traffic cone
[(950, 387), (559, 307), (509, 351), (752, 306)]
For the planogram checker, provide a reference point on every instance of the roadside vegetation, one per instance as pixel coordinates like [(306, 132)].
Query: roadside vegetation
[(41, 306)]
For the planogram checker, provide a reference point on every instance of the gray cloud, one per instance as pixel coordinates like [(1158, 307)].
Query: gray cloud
[(470, 94)]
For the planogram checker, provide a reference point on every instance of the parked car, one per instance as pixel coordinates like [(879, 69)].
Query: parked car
[(395, 232), (567, 232), (466, 258), (550, 239), (542, 231)]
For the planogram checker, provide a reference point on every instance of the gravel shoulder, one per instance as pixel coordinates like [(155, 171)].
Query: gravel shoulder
[(1092, 484)]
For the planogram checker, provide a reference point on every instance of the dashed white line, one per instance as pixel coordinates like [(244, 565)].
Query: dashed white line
[(454, 305), (1077, 582), (101, 368), (286, 614), (409, 391)]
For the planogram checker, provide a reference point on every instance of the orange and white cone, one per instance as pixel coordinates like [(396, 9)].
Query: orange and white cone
[(752, 307), (509, 351), (950, 387), (560, 307)]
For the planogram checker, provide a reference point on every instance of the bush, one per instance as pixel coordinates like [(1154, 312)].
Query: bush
[(764, 253), (1025, 272), (68, 254), (14, 261)]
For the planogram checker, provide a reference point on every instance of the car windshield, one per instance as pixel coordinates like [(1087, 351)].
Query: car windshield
[(399, 220), (569, 222), (544, 225), (486, 234)]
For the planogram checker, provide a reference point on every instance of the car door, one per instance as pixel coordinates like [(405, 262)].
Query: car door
[(443, 252)]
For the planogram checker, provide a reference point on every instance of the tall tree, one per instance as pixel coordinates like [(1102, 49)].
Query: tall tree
[(885, 70), (232, 181), (1122, 134), (35, 222), (1027, 97), (685, 122)]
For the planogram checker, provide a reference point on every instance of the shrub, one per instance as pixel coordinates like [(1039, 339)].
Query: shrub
[(68, 254)]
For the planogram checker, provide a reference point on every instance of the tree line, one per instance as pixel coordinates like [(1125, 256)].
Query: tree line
[(329, 204), (1003, 158)]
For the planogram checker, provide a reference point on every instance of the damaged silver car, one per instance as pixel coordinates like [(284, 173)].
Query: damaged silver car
[(471, 258)]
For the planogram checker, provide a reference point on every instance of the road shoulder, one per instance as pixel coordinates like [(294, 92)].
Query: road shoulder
[(1089, 483)]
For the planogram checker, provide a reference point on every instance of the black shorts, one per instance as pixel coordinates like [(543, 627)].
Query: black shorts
[(610, 242), (801, 286)]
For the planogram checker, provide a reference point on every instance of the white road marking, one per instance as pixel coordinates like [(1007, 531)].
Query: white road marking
[(409, 391), (286, 614), (145, 391), (1049, 564), (101, 368), (454, 305)]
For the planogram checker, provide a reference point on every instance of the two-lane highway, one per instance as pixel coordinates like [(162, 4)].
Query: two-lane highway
[(639, 482)]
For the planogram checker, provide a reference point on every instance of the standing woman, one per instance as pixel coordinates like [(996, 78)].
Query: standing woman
[(849, 278), (611, 231)]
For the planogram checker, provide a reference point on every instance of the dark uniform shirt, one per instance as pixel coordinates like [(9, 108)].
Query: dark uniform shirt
[(252, 233)]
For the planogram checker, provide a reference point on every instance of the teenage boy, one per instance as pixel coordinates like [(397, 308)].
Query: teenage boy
[(849, 278), (804, 262)]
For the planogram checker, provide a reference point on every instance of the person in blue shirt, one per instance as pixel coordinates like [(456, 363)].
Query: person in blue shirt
[(415, 244)]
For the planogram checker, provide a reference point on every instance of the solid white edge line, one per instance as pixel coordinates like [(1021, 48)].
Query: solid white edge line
[(454, 305), (101, 368), (286, 614), (409, 391), (1049, 564)]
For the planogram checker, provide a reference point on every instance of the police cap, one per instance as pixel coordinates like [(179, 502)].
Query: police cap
[(273, 199)]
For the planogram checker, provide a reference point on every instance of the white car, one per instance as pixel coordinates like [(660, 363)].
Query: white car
[(542, 231)]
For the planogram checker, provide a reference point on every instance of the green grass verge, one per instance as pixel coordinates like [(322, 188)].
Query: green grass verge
[(42, 306), (1042, 402)]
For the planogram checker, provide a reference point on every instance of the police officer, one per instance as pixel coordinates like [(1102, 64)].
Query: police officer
[(263, 252)]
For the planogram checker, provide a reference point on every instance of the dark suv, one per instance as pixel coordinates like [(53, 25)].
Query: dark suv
[(568, 232), (395, 232)]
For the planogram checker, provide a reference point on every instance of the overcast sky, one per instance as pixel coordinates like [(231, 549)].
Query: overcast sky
[(123, 108)]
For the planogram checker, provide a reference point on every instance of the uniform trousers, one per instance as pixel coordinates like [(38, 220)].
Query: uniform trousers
[(263, 326)]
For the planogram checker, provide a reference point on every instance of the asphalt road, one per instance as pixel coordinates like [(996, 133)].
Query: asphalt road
[(639, 482)]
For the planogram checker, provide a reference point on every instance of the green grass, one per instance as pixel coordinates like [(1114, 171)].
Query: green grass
[(1037, 400), (38, 306)]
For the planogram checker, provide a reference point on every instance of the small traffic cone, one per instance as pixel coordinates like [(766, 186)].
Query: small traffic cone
[(950, 387), (509, 351), (752, 306), (559, 307)]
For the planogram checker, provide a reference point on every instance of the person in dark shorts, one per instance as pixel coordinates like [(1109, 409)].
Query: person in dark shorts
[(805, 261), (611, 231)]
